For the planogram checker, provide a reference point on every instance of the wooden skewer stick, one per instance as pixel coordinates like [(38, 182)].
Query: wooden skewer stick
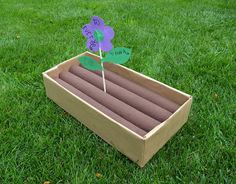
[(103, 73)]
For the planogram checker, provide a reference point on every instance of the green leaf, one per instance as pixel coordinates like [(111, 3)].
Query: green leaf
[(89, 63), (118, 55), (98, 35)]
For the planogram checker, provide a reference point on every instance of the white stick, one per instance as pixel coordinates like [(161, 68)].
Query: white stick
[(103, 74)]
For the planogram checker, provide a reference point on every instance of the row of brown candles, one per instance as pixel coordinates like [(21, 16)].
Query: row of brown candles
[(128, 103)]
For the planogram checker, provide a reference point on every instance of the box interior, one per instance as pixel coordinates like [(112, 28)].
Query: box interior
[(137, 102)]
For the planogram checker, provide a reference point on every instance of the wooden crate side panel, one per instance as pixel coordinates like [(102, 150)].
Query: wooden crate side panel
[(127, 143), (169, 128)]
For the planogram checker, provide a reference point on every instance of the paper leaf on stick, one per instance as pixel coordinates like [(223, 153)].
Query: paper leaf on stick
[(89, 63), (118, 55)]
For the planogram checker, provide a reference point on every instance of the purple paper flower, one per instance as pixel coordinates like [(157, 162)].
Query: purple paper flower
[(98, 35)]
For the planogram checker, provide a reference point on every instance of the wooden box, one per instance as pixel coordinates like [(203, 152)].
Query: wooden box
[(139, 149)]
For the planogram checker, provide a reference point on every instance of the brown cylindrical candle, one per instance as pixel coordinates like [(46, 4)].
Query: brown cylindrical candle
[(123, 94), (102, 108), (139, 90), (129, 113)]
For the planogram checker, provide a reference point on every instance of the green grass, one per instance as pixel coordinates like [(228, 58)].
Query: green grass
[(190, 45)]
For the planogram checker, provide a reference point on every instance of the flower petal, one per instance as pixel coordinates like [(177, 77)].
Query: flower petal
[(88, 30), (92, 45), (106, 45), (108, 32), (97, 21)]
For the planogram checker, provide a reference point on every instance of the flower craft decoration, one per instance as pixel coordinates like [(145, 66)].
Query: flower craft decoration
[(98, 35), (99, 38)]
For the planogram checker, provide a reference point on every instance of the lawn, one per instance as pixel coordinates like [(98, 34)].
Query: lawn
[(190, 45)]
